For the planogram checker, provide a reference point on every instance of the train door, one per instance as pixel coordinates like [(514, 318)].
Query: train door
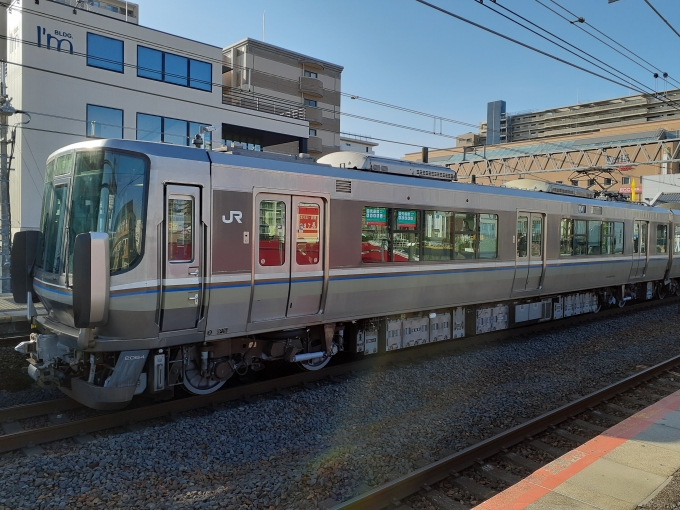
[(289, 255), (640, 249), (182, 292), (530, 252)]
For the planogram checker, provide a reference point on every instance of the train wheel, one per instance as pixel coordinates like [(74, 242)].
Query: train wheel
[(198, 384), (315, 364), (598, 306), (661, 291)]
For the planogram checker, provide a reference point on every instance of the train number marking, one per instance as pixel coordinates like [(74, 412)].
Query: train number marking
[(233, 215)]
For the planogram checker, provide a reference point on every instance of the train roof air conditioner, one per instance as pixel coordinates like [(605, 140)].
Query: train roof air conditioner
[(371, 163), (549, 187)]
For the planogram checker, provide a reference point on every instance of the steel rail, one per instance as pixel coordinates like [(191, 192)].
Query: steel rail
[(109, 420), (408, 485)]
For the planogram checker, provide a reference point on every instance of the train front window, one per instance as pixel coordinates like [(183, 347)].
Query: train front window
[(109, 195)]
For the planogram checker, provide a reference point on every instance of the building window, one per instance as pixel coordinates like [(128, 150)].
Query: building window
[(104, 52), (312, 132), (310, 74), (574, 182), (625, 180), (607, 181), (559, 182), (153, 128), (103, 122), (310, 102), (175, 69), (591, 182)]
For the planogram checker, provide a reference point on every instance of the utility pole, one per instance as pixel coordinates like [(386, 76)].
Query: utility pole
[(6, 111)]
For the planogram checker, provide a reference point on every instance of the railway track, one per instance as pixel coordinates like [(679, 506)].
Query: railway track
[(477, 473), (65, 418)]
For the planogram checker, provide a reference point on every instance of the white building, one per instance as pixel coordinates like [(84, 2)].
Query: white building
[(357, 143), (83, 68)]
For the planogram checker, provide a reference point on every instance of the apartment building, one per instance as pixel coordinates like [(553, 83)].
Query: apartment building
[(88, 68), (264, 77), (357, 143)]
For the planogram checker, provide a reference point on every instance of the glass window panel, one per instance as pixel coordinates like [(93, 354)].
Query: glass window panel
[(175, 69), (580, 241), (636, 235), (594, 233), (566, 237), (375, 235), (661, 238), (607, 245), (466, 223), (104, 52), (536, 237), (109, 195), (522, 231), (104, 122), (272, 243), (53, 230), (406, 247), (200, 75), (180, 229), (46, 202), (676, 241), (488, 236), (63, 165), (464, 246), (437, 235), (406, 220), (618, 237), (307, 234), (175, 131), (149, 128), (149, 63), (643, 238)]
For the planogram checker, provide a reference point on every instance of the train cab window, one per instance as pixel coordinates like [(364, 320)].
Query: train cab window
[(676, 240), (437, 234), (272, 242), (307, 235), (375, 235), (180, 230), (661, 238), (465, 236), (522, 231), (406, 236), (488, 236), (594, 240)]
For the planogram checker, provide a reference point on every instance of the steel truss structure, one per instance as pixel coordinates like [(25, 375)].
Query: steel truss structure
[(612, 157)]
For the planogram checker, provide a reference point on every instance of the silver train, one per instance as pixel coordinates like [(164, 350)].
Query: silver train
[(164, 266)]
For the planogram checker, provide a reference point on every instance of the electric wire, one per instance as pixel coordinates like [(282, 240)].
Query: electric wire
[(607, 37), (661, 16)]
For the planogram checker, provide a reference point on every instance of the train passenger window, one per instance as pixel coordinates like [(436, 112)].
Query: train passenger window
[(594, 241), (272, 243), (406, 237), (180, 230), (488, 236), (566, 237), (536, 237), (618, 237), (661, 238), (580, 244), (465, 237), (676, 240), (522, 232), (608, 238), (640, 237), (437, 235), (307, 235), (375, 237)]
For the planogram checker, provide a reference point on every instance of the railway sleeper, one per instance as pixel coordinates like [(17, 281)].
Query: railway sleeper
[(522, 461), (490, 471), (478, 490), (574, 438), (442, 501)]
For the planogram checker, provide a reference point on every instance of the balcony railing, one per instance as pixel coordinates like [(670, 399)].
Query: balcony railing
[(236, 97)]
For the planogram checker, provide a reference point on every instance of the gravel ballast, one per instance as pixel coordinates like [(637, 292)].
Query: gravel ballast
[(334, 440)]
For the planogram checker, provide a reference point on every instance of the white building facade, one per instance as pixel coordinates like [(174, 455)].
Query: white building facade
[(84, 69)]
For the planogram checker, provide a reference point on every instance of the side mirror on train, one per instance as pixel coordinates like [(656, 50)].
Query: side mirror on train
[(25, 248), (91, 280)]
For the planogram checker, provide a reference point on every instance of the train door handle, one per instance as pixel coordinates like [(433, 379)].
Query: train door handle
[(194, 298), (193, 271)]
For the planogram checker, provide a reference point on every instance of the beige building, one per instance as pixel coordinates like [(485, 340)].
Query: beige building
[(264, 77), (604, 146)]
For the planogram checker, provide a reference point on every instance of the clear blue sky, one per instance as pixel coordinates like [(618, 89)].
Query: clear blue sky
[(405, 53)]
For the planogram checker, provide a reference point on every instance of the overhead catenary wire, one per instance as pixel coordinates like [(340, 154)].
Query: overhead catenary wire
[(585, 22), (662, 17)]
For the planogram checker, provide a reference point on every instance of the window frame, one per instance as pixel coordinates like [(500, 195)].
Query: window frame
[(87, 121), (571, 236), (162, 78), (307, 102), (207, 135), (87, 53)]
